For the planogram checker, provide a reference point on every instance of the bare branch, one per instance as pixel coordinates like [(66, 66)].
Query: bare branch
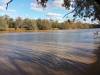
[(8, 4), (70, 12)]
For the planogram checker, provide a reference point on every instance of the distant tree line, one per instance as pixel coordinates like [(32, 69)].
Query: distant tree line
[(39, 24)]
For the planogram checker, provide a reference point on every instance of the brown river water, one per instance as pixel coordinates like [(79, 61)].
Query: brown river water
[(63, 52)]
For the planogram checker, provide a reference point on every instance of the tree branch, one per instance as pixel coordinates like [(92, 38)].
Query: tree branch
[(8, 4), (70, 12)]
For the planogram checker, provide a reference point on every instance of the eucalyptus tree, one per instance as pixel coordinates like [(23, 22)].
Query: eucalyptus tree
[(81, 8), (3, 23), (11, 23), (18, 22)]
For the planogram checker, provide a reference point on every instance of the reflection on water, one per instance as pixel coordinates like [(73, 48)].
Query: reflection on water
[(50, 53)]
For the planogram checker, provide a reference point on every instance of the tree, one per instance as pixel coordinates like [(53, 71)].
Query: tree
[(55, 24), (81, 8), (34, 26), (18, 23), (27, 24), (46, 24), (3, 23), (40, 25), (11, 23)]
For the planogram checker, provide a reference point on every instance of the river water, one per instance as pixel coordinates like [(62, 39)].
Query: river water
[(62, 52)]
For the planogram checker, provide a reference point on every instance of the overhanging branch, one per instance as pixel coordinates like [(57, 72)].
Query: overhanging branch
[(8, 4), (70, 12)]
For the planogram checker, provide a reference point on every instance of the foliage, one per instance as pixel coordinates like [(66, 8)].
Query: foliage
[(39, 24), (81, 8), (3, 23)]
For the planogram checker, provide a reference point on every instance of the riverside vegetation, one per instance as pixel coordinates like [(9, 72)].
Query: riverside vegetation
[(9, 24)]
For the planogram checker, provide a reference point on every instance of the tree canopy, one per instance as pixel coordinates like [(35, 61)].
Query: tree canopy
[(81, 8), (6, 22)]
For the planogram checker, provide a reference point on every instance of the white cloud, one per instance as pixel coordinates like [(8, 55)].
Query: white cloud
[(6, 12), (3, 5), (6, 1), (50, 5), (50, 14), (36, 7), (57, 3), (55, 16), (1, 8)]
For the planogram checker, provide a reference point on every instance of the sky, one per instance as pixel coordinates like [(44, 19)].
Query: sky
[(30, 9)]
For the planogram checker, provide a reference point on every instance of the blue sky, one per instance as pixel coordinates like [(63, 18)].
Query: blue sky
[(30, 9)]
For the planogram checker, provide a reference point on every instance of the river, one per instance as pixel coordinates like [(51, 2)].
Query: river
[(62, 52)]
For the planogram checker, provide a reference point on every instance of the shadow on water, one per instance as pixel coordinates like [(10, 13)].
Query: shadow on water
[(24, 62), (47, 64), (17, 60), (95, 67)]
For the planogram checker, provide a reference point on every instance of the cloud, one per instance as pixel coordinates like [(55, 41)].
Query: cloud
[(6, 12), (36, 7), (50, 5), (3, 4), (50, 14), (57, 3), (55, 16), (1, 8), (6, 1)]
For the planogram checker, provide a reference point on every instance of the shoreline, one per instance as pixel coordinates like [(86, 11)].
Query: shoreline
[(18, 31)]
